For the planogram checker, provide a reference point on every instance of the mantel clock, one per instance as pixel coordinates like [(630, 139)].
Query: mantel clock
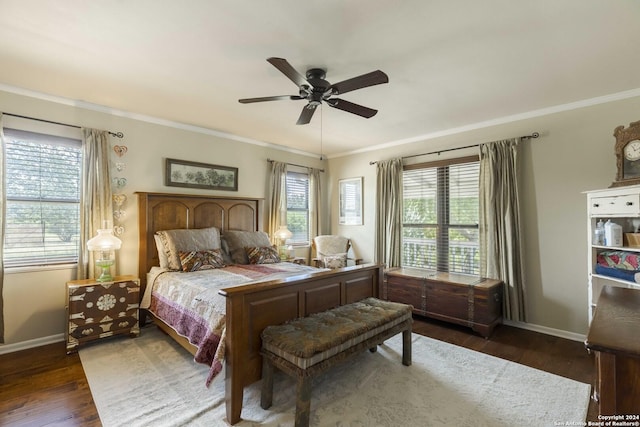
[(627, 151)]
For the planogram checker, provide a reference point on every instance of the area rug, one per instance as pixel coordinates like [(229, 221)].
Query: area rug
[(151, 381)]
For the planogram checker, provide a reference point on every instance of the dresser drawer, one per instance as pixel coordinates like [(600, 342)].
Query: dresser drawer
[(615, 205)]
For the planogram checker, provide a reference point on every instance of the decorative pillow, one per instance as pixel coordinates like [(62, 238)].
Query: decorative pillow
[(162, 254), (187, 240), (335, 261), (201, 260), (224, 246), (262, 255), (238, 240)]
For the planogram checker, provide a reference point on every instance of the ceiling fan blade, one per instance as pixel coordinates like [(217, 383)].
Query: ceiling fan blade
[(286, 69), (269, 98), (306, 114), (350, 107), (370, 79)]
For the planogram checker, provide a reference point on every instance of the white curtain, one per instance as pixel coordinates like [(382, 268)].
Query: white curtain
[(95, 197), (277, 197), (388, 239), (500, 234), (2, 220)]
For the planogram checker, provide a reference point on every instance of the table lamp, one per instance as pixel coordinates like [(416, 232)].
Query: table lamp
[(104, 245), (282, 235)]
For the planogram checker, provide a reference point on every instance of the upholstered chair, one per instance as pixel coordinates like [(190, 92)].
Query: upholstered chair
[(332, 252)]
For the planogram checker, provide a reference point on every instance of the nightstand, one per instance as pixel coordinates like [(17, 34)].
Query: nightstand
[(98, 310)]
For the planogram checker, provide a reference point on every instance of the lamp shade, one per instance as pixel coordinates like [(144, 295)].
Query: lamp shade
[(104, 241), (283, 233)]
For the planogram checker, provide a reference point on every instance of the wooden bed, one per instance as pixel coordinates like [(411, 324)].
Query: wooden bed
[(249, 308)]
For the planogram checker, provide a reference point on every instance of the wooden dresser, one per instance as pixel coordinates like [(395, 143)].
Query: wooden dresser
[(614, 337), (465, 300)]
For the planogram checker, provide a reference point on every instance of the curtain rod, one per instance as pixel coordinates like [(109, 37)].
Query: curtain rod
[(293, 164), (116, 134), (534, 135)]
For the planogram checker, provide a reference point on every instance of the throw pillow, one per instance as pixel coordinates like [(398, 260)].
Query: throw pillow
[(201, 260), (262, 255), (335, 261)]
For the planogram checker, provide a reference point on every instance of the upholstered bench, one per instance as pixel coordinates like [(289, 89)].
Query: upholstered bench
[(308, 346)]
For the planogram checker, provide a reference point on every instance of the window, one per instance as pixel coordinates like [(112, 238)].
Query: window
[(43, 198), (298, 207), (440, 216)]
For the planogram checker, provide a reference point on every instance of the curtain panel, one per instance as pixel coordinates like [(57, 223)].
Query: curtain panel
[(388, 237), (2, 224), (277, 198), (500, 227), (95, 197), (315, 207)]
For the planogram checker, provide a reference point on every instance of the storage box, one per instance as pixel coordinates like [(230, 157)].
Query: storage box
[(632, 240), (465, 300)]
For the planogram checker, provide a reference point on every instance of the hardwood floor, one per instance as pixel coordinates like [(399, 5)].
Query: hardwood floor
[(45, 387)]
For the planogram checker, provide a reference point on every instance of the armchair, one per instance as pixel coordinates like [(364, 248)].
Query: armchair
[(332, 252)]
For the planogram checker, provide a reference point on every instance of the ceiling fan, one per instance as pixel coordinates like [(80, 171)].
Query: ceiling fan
[(315, 89)]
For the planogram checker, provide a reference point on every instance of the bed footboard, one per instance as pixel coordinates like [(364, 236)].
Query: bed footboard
[(251, 308)]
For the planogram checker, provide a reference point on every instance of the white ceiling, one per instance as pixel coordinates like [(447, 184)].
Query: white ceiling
[(451, 63)]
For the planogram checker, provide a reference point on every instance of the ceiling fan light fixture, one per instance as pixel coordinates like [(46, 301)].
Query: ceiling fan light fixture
[(316, 89)]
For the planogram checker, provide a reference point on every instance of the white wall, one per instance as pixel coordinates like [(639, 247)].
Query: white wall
[(34, 301), (574, 154)]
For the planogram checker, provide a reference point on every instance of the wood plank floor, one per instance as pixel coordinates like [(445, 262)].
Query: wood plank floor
[(45, 387)]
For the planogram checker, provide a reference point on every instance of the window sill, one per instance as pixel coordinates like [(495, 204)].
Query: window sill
[(36, 268)]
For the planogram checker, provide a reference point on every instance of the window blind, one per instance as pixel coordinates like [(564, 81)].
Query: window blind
[(440, 217), (298, 207), (43, 197)]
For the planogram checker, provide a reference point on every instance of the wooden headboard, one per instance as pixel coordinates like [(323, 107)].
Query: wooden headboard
[(160, 211)]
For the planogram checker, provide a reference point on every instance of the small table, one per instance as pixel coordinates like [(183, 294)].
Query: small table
[(614, 337)]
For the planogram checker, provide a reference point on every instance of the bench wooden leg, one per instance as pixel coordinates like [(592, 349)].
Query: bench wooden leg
[(266, 396), (303, 401), (406, 347)]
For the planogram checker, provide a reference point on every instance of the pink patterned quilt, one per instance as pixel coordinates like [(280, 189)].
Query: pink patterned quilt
[(190, 303)]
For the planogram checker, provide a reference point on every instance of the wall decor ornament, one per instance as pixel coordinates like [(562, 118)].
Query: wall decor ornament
[(183, 173), (118, 230), (120, 150), (119, 182), (119, 199)]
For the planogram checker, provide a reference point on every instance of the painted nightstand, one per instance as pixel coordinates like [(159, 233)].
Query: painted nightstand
[(98, 310)]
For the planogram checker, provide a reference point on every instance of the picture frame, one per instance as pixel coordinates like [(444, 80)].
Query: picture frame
[(350, 203), (184, 173)]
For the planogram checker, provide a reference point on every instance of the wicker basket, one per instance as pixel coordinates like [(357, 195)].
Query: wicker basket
[(632, 240)]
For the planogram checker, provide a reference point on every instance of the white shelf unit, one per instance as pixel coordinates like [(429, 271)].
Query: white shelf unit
[(622, 206)]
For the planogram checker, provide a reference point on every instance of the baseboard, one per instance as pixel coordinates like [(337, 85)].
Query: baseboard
[(24, 345), (546, 330)]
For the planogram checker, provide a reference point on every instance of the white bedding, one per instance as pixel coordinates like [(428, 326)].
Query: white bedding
[(190, 302)]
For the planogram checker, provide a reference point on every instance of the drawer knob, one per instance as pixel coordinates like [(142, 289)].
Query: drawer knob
[(629, 203), (596, 205)]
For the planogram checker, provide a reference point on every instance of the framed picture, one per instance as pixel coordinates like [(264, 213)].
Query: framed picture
[(182, 173), (350, 201)]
